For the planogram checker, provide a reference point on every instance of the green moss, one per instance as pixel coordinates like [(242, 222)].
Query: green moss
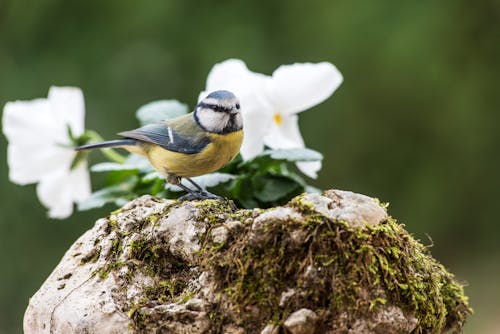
[(301, 204), (383, 205), (185, 297), (117, 211), (153, 218), (356, 270), (91, 257), (333, 268), (103, 272), (214, 211), (112, 222)]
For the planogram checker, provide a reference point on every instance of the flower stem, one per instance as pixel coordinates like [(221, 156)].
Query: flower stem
[(107, 152)]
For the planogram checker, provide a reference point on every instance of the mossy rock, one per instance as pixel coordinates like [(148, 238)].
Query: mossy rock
[(331, 263)]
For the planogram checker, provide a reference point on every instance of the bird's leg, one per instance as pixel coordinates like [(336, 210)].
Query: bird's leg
[(203, 193), (190, 191), (175, 180), (200, 189), (200, 194), (191, 194)]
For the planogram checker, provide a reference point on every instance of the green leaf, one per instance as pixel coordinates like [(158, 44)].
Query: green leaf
[(272, 188), (119, 176), (158, 186), (113, 194), (241, 190), (292, 175), (157, 111), (110, 166), (152, 176), (294, 154), (133, 162), (79, 158), (82, 139)]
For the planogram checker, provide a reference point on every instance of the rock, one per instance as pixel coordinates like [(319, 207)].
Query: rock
[(195, 304), (354, 208), (219, 234), (197, 267), (279, 213), (231, 329), (233, 225), (302, 321), (272, 216), (85, 304), (285, 297), (270, 329), (181, 230), (388, 320)]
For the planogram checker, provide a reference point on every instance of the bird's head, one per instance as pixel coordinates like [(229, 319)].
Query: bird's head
[(219, 112)]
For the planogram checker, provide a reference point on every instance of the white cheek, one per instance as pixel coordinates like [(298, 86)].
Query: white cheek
[(239, 120), (212, 120)]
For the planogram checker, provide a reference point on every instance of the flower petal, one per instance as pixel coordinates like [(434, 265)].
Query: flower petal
[(54, 192), (81, 183), (32, 150), (31, 163), (25, 120), (255, 128), (58, 190), (285, 135), (310, 168), (233, 75), (298, 87), (68, 107)]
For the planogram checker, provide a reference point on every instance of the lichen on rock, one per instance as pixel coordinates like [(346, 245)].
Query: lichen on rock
[(330, 263)]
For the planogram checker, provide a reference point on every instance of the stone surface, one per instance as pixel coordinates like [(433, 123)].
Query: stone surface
[(219, 234), (302, 321), (387, 320), (285, 296), (181, 230), (354, 208), (177, 267), (270, 329), (71, 300)]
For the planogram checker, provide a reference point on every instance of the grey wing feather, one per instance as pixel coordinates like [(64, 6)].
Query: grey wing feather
[(168, 138)]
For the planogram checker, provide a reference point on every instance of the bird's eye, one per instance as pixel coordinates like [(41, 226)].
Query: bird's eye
[(237, 106)]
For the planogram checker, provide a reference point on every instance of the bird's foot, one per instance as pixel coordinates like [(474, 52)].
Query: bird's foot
[(201, 195), (209, 195)]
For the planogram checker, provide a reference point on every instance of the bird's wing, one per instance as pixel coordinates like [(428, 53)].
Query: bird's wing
[(181, 135)]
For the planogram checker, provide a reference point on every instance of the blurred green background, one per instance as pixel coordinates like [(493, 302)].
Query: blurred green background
[(415, 123)]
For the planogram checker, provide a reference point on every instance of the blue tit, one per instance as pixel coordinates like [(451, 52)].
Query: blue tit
[(194, 144)]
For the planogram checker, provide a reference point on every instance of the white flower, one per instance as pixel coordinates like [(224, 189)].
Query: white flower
[(270, 104), (40, 150)]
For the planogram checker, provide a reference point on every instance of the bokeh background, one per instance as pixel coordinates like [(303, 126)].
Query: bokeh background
[(415, 123)]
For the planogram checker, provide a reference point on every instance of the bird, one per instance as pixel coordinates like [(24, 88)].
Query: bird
[(190, 145)]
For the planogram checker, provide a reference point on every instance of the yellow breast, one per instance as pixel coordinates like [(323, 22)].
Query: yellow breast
[(217, 154)]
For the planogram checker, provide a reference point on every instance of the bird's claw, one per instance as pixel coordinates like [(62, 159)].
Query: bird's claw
[(202, 195)]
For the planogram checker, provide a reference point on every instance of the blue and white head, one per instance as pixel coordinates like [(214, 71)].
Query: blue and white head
[(219, 112)]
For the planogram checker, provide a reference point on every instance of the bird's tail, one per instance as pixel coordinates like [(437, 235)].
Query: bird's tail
[(111, 143)]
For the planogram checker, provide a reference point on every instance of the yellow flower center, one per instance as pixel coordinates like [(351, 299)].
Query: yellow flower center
[(277, 119)]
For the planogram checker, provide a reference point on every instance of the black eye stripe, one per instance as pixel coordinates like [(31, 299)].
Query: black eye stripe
[(217, 107)]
